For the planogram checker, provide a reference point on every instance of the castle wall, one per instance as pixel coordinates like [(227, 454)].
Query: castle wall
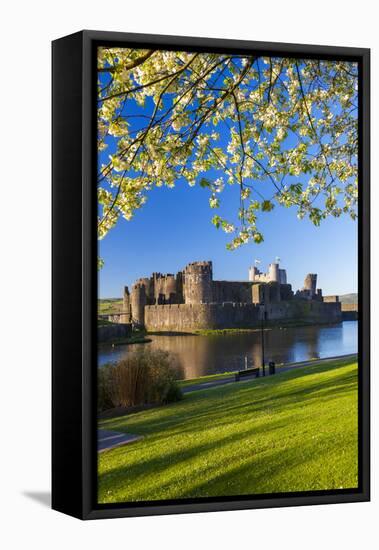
[(310, 311), (286, 292), (331, 298), (192, 300), (232, 291), (349, 312), (349, 307), (189, 317), (274, 291)]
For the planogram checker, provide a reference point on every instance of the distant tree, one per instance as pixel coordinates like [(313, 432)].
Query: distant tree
[(283, 130)]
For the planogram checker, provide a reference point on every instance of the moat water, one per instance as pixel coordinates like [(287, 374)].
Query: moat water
[(201, 355)]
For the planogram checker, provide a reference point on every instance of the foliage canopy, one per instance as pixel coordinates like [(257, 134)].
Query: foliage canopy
[(283, 130)]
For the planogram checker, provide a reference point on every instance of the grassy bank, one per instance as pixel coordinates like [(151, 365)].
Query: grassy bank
[(131, 340), (104, 322), (109, 305), (206, 378), (293, 432), (279, 366), (126, 341), (138, 336), (215, 377), (268, 325), (225, 331)]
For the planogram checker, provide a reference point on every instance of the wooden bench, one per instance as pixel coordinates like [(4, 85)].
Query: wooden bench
[(247, 372)]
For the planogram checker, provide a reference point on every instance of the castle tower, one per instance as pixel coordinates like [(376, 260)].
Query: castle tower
[(198, 283), (273, 273), (258, 293), (126, 307), (274, 291), (282, 276), (310, 283), (148, 283), (253, 273), (159, 292), (138, 302), (179, 288), (170, 289)]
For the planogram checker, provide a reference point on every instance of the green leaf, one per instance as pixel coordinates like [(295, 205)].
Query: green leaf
[(267, 206), (258, 237), (296, 188), (216, 220), (204, 182)]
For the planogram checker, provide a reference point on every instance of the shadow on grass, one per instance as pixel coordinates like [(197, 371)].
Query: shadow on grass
[(270, 470), (276, 471), (159, 462)]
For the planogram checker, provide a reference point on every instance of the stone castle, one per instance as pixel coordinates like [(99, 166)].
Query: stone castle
[(192, 300)]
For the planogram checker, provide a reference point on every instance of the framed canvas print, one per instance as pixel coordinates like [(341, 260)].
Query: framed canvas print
[(210, 274)]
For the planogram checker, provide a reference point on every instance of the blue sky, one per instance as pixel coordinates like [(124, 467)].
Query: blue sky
[(173, 228)]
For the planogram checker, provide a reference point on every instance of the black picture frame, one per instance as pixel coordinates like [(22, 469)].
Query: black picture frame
[(75, 276)]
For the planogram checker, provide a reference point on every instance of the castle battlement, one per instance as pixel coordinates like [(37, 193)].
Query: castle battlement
[(203, 264)]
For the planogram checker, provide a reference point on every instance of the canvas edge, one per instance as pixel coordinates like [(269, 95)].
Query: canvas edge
[(86, 507)]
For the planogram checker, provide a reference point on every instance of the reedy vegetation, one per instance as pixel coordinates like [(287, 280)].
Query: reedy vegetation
[(143, 377)]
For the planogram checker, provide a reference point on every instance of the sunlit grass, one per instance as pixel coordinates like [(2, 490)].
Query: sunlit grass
[(206, 378), (296, 431), (109, 305)]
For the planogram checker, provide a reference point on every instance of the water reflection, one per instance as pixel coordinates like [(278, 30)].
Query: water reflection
[(200, 355)]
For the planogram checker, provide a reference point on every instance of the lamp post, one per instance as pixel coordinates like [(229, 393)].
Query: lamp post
[(263, 344)]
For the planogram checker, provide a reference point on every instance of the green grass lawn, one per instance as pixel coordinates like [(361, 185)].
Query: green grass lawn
[(204, 379), (109, 305), (296, 431)]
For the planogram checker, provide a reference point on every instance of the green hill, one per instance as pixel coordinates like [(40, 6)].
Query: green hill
[(351, 298), (109, 305)]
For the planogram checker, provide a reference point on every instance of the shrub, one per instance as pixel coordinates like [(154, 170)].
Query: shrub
[(144, 377), (104, 399), (174, 393)]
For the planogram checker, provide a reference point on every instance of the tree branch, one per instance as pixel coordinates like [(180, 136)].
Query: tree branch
[(128, 66)]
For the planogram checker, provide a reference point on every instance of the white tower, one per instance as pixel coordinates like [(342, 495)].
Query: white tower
[(273, 272)]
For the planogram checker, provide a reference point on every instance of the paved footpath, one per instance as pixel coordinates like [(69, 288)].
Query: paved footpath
[(108, 439), (284, 368)]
